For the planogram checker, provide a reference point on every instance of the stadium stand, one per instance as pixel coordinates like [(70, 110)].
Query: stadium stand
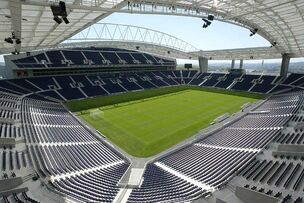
[(57, 145), (60, 54), (97, 186), (92, 85), (161, 186), (54, 139), (60, 138), (264, 84), (245, 83), (214, 160), (86, 58), (280, 176), (213, 80), (227, 80)]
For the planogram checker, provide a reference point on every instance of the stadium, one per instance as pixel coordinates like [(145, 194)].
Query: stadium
[(102, 112)]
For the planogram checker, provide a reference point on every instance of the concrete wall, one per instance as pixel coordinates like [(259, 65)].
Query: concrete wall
[(10, 183), (251, 196)]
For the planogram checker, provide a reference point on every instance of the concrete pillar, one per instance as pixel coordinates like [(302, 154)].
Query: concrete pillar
[(284, 65), (241, 64), (232, 64), (203, 64)]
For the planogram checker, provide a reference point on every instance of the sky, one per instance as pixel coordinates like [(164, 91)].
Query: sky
[(218, 35)]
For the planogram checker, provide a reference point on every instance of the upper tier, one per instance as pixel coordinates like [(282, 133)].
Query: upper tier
[(89, 57)]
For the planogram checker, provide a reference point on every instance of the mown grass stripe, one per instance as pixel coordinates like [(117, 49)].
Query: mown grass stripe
[(145, 128)]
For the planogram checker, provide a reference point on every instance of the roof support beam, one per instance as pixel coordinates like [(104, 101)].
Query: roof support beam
[(15, 9)]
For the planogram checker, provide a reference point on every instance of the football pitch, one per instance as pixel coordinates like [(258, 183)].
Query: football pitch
[(149, 126)]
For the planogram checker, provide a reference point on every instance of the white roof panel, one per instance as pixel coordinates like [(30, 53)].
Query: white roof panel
[(279, 21), (38, 28)]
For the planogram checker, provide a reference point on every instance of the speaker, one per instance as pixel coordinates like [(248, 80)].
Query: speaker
[(18, 41), (62, 5), (188, 65), (57, 19), (9, 40), (211, 17), (63, 9), (56, 10), (65, 20)]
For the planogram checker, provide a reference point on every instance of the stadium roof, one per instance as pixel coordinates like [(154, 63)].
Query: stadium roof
[(33, 20), (281, 22)]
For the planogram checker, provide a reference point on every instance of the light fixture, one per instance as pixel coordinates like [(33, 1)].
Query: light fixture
[(211, 17), (59, 10), (273, 44), (15, 52), (9, 40), (253, 32), (18, 41), (207, 23), (65, 20), (57, 19)]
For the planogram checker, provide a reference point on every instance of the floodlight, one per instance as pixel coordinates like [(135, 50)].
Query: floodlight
[(9, 40), (57, 19), (18, 41), (65, 20)]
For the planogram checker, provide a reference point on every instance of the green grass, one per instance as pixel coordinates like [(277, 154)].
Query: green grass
[(82, 105), (148, 126)]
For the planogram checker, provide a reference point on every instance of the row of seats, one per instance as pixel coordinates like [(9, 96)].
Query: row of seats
[(215, 159), (294, 135), (241, 82), (83, 86), (59, 145), (283, 173), (162, 186), (55, 160), (212, 166), (97, 186), (13, 160), (290, 138), (10, 131), (279, 173), (49, 134), (241, 138), (285, 199), (16, 197), (89, 58)]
